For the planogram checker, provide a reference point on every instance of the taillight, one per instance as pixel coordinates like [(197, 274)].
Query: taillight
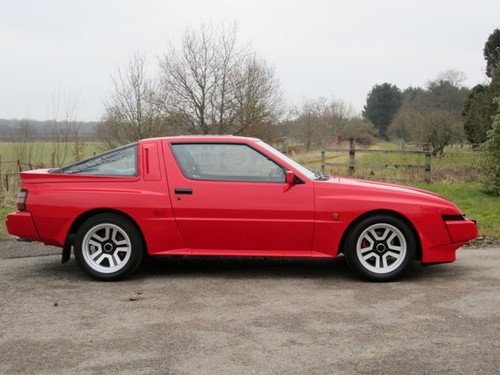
[(21, 200)]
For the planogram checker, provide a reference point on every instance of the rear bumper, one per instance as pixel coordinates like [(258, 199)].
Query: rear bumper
[(21, 224)]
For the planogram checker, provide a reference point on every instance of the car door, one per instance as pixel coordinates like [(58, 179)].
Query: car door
[(231, 198)]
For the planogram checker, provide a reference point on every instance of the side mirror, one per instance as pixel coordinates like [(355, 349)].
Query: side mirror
[(290, 178)]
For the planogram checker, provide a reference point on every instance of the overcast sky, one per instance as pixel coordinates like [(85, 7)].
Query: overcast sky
[(335, 49)]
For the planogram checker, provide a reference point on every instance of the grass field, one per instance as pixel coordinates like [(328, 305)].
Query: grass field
[(476, 204), (454, 176), (46, 154)]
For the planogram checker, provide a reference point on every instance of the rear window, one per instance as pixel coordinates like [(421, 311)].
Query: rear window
[(119, 162)]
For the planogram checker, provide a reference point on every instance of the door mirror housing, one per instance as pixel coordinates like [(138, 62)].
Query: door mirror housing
[(290, 178)]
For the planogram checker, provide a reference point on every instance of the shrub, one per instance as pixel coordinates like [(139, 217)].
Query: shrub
[(490, 156)]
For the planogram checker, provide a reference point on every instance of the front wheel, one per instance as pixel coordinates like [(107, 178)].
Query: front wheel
[(108, 247), (380, 248)]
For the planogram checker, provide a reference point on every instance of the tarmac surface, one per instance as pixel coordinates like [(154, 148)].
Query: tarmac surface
[(247, 316)]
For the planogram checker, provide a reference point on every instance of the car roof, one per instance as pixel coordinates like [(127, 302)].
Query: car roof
[(204, 138)]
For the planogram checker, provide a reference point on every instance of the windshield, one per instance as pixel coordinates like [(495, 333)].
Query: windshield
[(305, 171)]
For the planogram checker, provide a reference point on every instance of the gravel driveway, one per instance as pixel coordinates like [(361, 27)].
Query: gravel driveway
[(247, 316)]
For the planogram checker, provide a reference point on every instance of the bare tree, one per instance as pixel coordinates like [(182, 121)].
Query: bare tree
[(363, 131), (433, 115), (24, 149), (454, 77), (340, 115), (322, 122), (405, 126), (308, 125), (439, 128), (258, 100), (65, 127), (215, 86), (133, 109)]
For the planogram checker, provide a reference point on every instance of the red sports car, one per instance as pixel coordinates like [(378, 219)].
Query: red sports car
[(229, 196)]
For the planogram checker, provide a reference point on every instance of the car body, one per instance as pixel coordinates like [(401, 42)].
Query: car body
[(229, 196)]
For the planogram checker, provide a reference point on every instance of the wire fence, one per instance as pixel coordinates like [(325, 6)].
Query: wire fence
[(9, 173)]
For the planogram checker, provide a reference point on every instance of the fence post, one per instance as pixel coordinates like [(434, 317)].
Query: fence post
[(323, 160), (352, 156), (427, 172)]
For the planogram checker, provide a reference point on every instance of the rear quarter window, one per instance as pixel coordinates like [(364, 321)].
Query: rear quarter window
[(119, 162)]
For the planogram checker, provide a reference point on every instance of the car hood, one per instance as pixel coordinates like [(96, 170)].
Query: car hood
[(350, 188)]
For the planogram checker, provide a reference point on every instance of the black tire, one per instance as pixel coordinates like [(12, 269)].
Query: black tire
[(108, 247), (380, 248)]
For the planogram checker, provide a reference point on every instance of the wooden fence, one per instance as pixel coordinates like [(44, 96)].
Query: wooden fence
[(352, 164), (9, 173)]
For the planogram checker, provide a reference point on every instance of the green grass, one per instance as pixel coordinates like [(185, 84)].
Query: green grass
[(474, 202), (45, 154), (4, 210)]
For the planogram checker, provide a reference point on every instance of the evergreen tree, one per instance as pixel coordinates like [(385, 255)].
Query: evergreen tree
[(382, 103), (478, 110), (490, 156), (491, 53)]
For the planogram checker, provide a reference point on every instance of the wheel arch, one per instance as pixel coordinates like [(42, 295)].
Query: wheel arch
[(88, 214), (395, 215)]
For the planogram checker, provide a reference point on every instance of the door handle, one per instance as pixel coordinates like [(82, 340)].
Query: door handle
[(185, 191)]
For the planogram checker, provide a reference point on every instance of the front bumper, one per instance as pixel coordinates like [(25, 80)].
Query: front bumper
[(460, 231), (21, 224)]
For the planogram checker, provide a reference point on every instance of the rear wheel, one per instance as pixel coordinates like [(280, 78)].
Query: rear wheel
[(108, 247), (380, 248)]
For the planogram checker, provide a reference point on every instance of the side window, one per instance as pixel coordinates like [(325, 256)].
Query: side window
[(226, 162), (119, 162)]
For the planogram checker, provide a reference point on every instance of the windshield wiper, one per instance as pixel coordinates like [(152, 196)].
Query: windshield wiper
[(318, 175)]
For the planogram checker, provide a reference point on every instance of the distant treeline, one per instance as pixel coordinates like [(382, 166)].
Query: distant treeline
[(26, 130)]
